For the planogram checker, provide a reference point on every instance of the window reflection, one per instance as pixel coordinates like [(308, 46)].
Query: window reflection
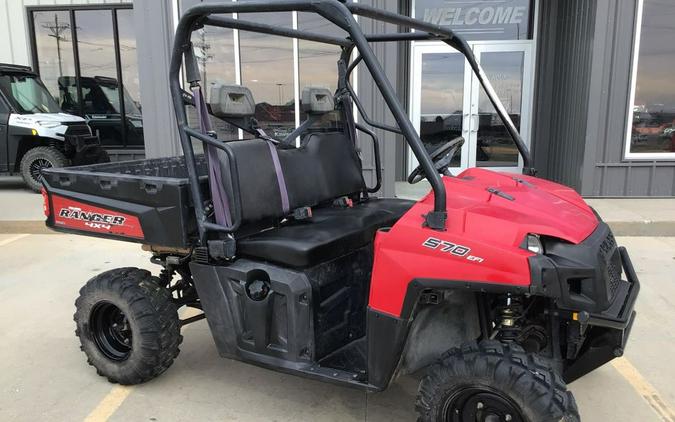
[(54, 47), (653, 126), (442, 100), (114, 113), (267, 70), (100, 96), (129, 64), (495, 146), (318, 63), (214, 49)]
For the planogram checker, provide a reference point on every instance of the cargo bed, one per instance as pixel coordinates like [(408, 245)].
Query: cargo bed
[(144, 201)]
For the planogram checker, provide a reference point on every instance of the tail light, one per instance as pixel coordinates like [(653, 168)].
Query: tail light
[(45, 202)]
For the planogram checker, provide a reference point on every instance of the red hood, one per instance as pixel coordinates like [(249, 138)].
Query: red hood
[(522, 205)]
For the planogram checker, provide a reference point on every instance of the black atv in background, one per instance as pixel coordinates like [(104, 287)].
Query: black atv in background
[(35, 133)]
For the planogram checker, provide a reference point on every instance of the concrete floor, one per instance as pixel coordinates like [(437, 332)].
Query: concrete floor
[(44, 376)]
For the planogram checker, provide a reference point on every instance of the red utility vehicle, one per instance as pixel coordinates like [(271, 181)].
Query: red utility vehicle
[(497, 288)]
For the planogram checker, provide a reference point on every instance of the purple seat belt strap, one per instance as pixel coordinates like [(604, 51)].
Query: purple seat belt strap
[(280, 178), (221, 203)]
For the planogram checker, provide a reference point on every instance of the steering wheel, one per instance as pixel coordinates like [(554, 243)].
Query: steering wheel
[(441, 158)]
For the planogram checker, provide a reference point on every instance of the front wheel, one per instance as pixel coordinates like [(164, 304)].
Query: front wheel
[(127, 325), (493, 381), (38, 159)]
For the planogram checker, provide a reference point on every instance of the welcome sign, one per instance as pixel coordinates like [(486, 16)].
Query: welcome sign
[(479, 19)]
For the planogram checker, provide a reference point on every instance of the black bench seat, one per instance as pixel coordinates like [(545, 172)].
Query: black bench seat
[(331, 232)]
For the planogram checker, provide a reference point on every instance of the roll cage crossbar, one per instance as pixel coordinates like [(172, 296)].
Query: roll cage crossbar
[(341, 14)]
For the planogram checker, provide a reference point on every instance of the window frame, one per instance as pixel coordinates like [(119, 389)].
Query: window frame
[(112, 8), (627, 154)]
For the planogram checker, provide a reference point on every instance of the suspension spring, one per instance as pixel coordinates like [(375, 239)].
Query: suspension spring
[(508, 318)]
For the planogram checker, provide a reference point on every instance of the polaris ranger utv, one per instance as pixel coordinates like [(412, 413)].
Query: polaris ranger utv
[(496, 288), (34, 133)]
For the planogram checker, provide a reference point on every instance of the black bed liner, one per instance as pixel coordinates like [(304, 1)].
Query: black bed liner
[(154, 190)]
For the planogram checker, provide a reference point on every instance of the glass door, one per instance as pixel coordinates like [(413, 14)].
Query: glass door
[(447, 101), (440, 101), (508, 67)]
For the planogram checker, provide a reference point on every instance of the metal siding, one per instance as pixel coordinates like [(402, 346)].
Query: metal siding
[(582, 90), (606, 172), (562, 89), (388, 54)]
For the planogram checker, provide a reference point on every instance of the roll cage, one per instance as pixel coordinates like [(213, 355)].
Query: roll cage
[(340, 13)]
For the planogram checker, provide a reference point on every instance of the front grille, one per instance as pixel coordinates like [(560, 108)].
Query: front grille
[(608, 245), (614, 273), (76, 129), (612, 259)]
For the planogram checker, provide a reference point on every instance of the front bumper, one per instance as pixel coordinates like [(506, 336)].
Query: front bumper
[(80, 143), (608, 330)]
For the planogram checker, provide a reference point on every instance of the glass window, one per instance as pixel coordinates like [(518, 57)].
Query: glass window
[(129, 65), (318, 63), (100, 93), (267, 70), (441, 118), (214, 48), (27, 95), (112, 108), (479, 19), (54, 48), (653, 124), (495, 146)]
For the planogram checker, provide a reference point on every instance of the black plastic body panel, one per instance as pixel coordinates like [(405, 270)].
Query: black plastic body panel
[(277, 330), (581, 277), (386, 339), (154, 190), (608, 331), (307, 322)]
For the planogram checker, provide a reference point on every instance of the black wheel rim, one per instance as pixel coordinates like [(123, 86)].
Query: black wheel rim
[(480, 404), (111, 331), (37, 166)]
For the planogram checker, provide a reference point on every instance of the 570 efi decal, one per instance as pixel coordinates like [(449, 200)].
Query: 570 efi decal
[(452, 248)]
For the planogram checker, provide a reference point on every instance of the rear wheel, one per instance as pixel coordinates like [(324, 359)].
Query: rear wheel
[(128, 325), (492, 381), (38, 159)]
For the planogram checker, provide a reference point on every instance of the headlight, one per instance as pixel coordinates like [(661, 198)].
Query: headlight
[(533, 244), (49, 124)]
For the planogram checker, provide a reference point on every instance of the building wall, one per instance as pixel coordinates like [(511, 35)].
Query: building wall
[(605, 171), (584, 63), (388, 54), (562, 89)]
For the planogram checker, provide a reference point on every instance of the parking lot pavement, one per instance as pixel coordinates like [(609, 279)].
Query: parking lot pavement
[(44, 376)]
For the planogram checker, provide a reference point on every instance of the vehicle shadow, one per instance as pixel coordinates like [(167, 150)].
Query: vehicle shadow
[(213, 388)]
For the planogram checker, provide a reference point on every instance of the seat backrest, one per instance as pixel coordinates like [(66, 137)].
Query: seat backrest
[(324, 168)]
